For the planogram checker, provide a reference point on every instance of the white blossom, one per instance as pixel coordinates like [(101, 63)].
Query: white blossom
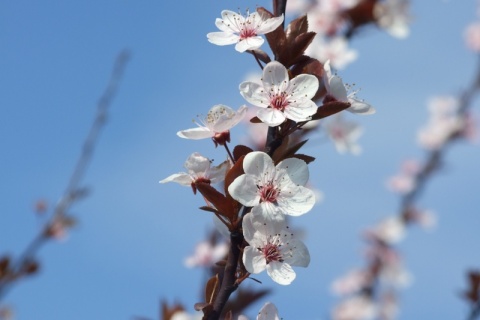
[(281, 98), (335, 50), (391, 230), (272, 247), (355, 308), (206, 254), (199, 170), (344, 134), (273, 191), (216, 125), (244, 31), (393, 16), (337, 91)]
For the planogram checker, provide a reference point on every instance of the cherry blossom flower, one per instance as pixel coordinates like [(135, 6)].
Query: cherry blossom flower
[(216, 125), (59, 226), (268, 312), (337, 91), (273, 191), (336, 50), (206, 254), (183, 315), (281, 98), (391, 230), (352, 282), (344, 134), (405, 181), (393, 16), (272, 247), (244, 31), (199, 170), (472, 37), (358, 307)]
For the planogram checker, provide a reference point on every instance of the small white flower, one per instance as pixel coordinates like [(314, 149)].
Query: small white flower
[(393, 16), (273, 191), (281, 98), (391, 230), (199, 170), (405, 181), (337, 91), (244, 31), (355, 308), (272, 247), (216, 125), (206, 254), (335, 50), (344, 134), (351, 282)]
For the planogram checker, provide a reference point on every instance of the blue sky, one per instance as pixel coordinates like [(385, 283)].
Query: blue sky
[(127, 252)]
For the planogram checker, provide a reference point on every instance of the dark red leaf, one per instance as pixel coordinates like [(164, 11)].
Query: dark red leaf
[(330, 108)]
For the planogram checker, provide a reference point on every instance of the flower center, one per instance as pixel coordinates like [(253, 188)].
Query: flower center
[(271, 253), (268, 193), (279, 102), (247, 31)]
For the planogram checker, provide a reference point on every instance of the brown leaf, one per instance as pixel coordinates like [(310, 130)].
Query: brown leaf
[(233, 173), (209, 209), (297, 27), (297, 48), (211, 289), (330, 108), (288, 152), (255, 120), (228, 315), (221, 203), (304, 157), (261, 55), (168, 312), (240, 151)]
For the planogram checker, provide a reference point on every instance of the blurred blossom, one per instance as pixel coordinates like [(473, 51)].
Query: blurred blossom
[(405, 180), (444, 121), (393, 16), (344, 134), (395, 275), (256, 135), (324, 21), (352, 282), (295, 7), (6, 313), (425, 218), (59, 226), (335, 49), (388, 308), (472, 37), (359, 307), (206, 254), (391, 230), (183, 315)]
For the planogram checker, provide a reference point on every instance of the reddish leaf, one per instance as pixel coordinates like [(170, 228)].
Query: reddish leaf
[(240, 151), (304, 157), (233, 173), (261, 55), (223, 205), (297, 27), (211, 289), (330, 108), (168, 312), (209, 209), (276, 39), (228, 315), (255, 120)]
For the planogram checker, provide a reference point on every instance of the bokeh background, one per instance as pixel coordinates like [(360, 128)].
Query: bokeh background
[(127, 252)]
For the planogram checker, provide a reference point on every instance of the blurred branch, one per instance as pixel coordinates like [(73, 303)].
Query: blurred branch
[(74, 192)]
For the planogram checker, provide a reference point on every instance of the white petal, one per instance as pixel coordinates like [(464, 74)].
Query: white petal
[(232, 20), (303, 86), (360, 107), (222, 38), (271, 117), (250, 43), (229, 119), (181, 178), (259, 164), (275, 77), (280, 272), (270, 25), (268, 211), (217, 173), (295, 169), (296, 202), (244, 190), (253, 260), (268, 312), (225, 26), (337, 89), (300, 255), (300, 111), (196, 133), (255, 94), (197, 163)]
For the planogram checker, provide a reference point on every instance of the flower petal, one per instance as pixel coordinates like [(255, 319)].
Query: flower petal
[(275, 77), (268, 211), (181, 178), (255, 94), (270, 25), (297, 201), (250, 43), (196, 133), (244, 190), (300, 111), (271, 117), (253, 260), (300, 256), (222, 38), (259, 164), (295, 169), (197, 164), (360, 107), (303, 86), (268, 312), (337, 89), (281, 273)]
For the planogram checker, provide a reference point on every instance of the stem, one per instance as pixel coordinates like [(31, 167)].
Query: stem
[(256, 58), (229, 153)]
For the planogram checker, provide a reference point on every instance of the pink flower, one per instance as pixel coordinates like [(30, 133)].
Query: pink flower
[(405, 180), (472, 37), (344, 134)]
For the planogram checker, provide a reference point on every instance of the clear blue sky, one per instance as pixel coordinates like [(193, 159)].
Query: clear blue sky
[(127, 253)]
